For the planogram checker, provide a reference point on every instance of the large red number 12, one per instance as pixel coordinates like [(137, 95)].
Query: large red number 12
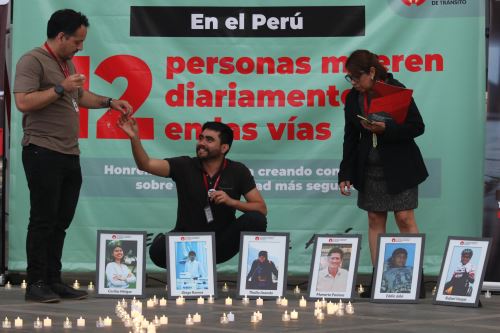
[(139, 80)]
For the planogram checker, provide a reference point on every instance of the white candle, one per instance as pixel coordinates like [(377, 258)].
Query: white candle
[(163, 301), (24, 284), (189, 320), (47, 322), (225, 288), (320, 315), (136, 306), (155, 300), (144, 323), (223, 319), (259, 301), (197, 318), (278, 300), (179, 300), (200, 301), (156, 321), (76, 285), (163, 320), (90, 287), (323, 303), (253, 318), (99, 323), (18, 322), (6, 323), (284, 302), (259, 315), (151, 328), (80, 322), (150, 303), (67, 323), (316, 311), (210, 299), (285, 316), (349, 309), (317, 304), (330, 308), (8, 285), (230, 316), (340, 311), (37, 323), (107, 321), (124, 303), (302, 302), (245, 300), (296, 290), (229, 301), (294, 315)]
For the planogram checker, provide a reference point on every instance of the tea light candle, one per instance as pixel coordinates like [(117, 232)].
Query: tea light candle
[(223, 319), (99, 323), (144, 323), (136, 306), (47, 322), (67, 323), (349, 309), (155, 300), (320, 315), (80, 322), (245, 300), (156, 321), (253, 318), (189, 320), (24, 284), (18, 323), (259, 302), (76, 285), (8, 285), (210, 299), (340, 311), (225, 288), (285, 316), (151, 328), (6, 323), (179, 300), (330, 308), (361, 289), (302, 302), (323, 303), (163, 301), (259, 315), (150, 303), (163, 320), (229, 301), (487, 294), (317, 304), (124, 303), (90, 286), (341, 305), (278, 300), (230, 316), (196, 318), (284, 302), (37, 323), (200, 301), (296, 290), (294, 315), (107, 321), (316, 311)]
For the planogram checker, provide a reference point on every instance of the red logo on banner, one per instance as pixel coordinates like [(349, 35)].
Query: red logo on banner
[(183, 238), (114, 236), (413, 2), (462, 242), (393, 240), (330, 240), (257, 238)]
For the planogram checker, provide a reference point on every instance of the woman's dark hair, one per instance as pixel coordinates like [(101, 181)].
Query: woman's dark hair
[(360, 61), (66, 21), (396, 252)]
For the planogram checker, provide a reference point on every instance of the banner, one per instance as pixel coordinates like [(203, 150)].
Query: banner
[(275, 73)]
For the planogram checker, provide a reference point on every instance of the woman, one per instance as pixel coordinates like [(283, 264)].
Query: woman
[(397, 276), (118, 274), (380, 159)]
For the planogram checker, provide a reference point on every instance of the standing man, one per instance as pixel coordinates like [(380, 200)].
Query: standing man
[(209, 188), (193, 266), (48, 92), (333, 277)]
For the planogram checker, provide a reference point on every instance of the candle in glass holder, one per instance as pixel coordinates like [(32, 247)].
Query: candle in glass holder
[(259, 301), (302, 302), (80, 322), (18, 322), (294, 315)]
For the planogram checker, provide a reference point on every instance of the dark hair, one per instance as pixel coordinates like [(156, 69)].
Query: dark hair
[(225, 132), (467, 252), (336, 250), (66, 21), (263, 254), (396, 252), (360, 61), (192, 253)]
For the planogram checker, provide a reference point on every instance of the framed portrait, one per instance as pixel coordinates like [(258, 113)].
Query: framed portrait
[(462, 271), (398, 270), (120, 263), (333, 267), (191, 264), (263, 264)]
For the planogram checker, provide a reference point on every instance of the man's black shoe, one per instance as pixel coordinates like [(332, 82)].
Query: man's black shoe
[(67, 292), (40, 292)]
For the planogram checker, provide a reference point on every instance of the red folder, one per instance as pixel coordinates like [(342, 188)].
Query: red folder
[(392, 100)]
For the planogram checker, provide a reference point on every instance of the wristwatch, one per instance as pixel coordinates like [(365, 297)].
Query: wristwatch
[(59, 90)]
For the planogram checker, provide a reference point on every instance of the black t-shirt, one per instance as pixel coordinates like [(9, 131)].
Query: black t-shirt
[(187, 173)]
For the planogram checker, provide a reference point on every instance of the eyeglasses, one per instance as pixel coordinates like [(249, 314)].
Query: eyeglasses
[(353, 79)]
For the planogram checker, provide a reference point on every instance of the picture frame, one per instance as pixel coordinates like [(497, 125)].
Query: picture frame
[(121, 263), (191, 268), (263, 264), (462, 271), (334, 266), (398, 271)]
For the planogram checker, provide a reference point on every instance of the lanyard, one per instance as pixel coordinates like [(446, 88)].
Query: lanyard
[(64, 66), (205, 176)]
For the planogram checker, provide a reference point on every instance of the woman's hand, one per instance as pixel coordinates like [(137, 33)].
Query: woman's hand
[(345, 187)]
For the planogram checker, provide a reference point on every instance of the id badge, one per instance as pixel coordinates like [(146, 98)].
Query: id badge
[(208, 214), (75, 105)]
